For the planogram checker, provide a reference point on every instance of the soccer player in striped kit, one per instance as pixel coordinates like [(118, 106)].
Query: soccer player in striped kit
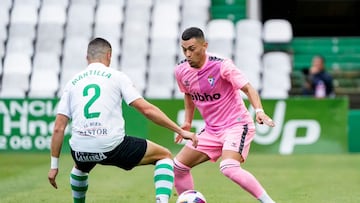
[(212, 84), (92, 101)]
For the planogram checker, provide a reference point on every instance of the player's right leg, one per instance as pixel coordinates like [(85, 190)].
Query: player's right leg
[(209, 148), (164, 170), (183, 162)]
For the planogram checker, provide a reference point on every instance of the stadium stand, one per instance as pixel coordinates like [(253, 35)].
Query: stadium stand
[(249, 49), (342, 60), (49, 38)]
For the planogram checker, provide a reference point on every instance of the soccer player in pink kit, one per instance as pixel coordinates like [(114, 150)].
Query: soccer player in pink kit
[(212, 85)]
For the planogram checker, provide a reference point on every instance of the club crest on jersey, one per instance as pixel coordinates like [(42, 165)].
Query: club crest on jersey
[(211, 80)]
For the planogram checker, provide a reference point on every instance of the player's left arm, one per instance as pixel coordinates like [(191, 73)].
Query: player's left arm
[(255, 101)]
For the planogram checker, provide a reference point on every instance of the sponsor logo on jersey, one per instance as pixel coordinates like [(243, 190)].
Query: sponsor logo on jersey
[(205, 97), (93, 132)]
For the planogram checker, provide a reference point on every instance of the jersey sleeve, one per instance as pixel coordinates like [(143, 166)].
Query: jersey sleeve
[(128, 89), (64, 103), (178, 80), (233, 74)]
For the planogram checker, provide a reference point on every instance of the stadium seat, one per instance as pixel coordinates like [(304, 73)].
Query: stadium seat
[(277, 31), (91, 3), (249, 44), (52, 14), (229, 12), (33, 3), (250, 64), (139, 3), (74, 54), (23, 20), (43, 84), (108, 21), (2, 49), (163, 24), (134, 53), (6, 4), (167, 47), (50, 32), (195, 14), (80, 20), (20, 45), (58, 3), (10, 92), (160, 88), (248, 28), (115, 3), (17, 63), (17, 67), (277, 61), (50, 38), (221, 35), (276, 75), (1, 70), (46, 61), (4, 21), (135, 43), (138, 76)]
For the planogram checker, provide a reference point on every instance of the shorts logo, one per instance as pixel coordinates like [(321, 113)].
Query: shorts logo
[(89, 157)]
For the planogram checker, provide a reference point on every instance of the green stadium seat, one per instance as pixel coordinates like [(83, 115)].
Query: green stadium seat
[(228, 2), (233, 10), (230, 12)]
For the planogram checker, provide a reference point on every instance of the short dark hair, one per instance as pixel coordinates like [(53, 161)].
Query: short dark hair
[(98, 48), (192, 32)]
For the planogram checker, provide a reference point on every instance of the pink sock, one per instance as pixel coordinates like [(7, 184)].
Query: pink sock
[(183, 178), (231, 169)]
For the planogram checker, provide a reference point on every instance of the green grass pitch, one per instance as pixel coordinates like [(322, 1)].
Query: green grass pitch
[(330, 178)]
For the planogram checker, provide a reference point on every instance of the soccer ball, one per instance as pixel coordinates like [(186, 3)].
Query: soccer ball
[(191, 196)]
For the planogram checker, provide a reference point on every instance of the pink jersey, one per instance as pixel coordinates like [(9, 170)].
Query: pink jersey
[(214, 89)]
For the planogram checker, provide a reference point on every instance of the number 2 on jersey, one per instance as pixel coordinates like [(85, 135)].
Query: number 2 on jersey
[(96, 95)]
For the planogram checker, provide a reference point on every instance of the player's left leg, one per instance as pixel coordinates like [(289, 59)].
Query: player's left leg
[(79, 178), (235, 151), (164, 170), (79, 185)]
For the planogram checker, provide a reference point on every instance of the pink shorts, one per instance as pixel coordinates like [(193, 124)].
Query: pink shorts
[(236, 138)]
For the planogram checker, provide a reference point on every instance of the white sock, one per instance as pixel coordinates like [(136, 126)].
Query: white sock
[(265, 198), (162, 199)]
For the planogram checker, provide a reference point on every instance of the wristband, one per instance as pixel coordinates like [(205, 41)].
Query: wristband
[(54, 162), (259, 110)]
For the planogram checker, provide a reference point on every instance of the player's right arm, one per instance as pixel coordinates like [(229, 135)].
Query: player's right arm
[(189, 115), (189, 111), (153, 113), (57, 139)]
